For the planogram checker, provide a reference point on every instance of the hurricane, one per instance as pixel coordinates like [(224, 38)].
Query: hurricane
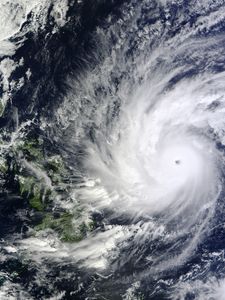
[(112, 150)]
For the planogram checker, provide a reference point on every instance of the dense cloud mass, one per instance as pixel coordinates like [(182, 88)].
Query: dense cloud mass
[(112, 149)]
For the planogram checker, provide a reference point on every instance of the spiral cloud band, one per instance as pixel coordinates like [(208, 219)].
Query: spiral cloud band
[(155, 156), (162, 161)]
